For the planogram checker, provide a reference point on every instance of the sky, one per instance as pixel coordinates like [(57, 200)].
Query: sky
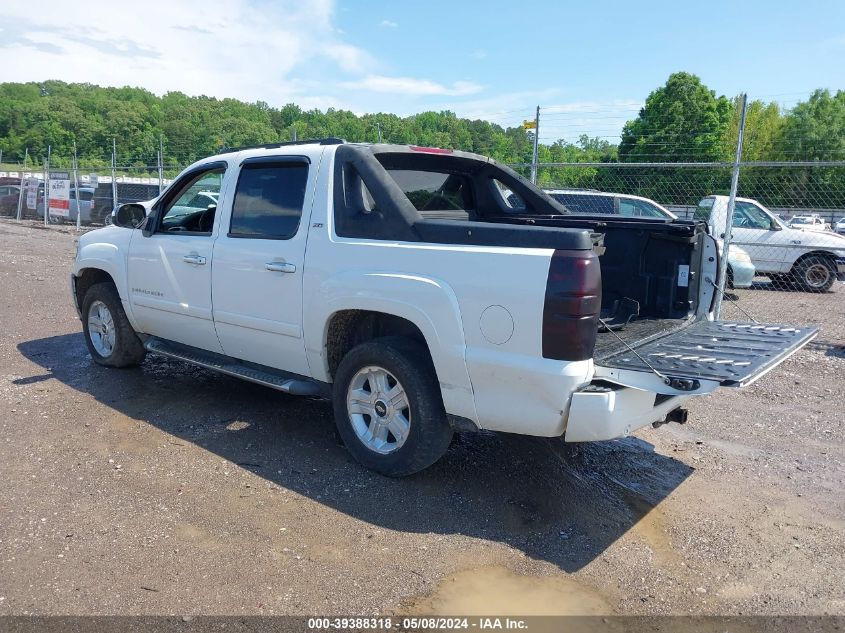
[(588, 65)]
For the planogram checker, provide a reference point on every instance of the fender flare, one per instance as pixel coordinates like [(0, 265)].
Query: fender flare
[(400, 295), (109, 259)]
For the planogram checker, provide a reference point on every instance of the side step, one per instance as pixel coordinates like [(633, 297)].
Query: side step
[(267, 376)]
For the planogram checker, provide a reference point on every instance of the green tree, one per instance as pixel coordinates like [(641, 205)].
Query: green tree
[(681, 121)]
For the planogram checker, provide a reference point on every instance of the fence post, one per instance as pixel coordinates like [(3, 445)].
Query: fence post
[(535, 151), (76, 190), (46, 184), (160, 163), (113, 175), (20, 193), (729, 216)]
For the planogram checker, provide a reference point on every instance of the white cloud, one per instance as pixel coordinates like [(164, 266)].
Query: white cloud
[(411, 86), (228, 48), (479, 53), (390, 24)]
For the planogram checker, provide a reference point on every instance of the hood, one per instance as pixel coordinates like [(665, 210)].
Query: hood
[(828, 239)]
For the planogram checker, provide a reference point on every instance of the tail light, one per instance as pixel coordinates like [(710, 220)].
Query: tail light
[(572, 307)]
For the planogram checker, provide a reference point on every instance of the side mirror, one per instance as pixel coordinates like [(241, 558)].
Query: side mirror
[(775, 226), (129, 216)]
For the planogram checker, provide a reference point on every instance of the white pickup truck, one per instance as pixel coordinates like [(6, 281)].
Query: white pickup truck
[(813, 259), (400, 282)]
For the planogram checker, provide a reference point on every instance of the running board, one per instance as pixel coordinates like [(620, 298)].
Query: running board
[(273, 378)]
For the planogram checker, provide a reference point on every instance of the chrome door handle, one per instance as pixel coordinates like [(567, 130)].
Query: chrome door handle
[(193, 258), (280, 267)]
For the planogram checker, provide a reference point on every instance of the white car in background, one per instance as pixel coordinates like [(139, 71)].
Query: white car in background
[(809, 223), (741, 270), (839, 227), (812, 259)]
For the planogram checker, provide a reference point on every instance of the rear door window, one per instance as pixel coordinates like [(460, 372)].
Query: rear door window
[(268, 200)]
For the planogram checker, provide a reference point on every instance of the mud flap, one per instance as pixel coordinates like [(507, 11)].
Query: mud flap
[(732, 354)]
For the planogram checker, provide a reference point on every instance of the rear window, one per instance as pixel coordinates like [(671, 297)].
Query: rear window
[(433, 190), (702, 211), (584, 203), (86, 195)]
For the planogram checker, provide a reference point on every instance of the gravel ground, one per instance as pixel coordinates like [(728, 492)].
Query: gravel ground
[(167, 489)]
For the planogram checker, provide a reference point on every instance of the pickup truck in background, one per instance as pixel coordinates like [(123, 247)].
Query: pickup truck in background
[(812, 259), (401, 283)]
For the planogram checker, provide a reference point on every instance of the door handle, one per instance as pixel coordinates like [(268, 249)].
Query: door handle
[(280, 267), (193, 258)]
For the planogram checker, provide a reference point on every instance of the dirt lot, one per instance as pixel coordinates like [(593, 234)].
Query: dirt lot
[(171, 490)]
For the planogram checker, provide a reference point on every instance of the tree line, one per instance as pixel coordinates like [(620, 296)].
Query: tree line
[(681, 121)]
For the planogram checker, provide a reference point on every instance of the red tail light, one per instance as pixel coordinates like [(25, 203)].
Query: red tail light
[(572, 307)]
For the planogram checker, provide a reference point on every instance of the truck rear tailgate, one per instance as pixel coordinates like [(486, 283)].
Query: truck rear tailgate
[(734, 354)]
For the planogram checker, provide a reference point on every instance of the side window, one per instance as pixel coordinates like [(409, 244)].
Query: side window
[(750, 216), (585, 204), (183, 211), (268, 200), (639, 209)]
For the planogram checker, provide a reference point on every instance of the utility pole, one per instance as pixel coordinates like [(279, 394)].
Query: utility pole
[(294, 134), (20, 193), (726, 236), (76, 189), (113, 174), (378, 127), (536, 146), (47, 184), (160, 163)]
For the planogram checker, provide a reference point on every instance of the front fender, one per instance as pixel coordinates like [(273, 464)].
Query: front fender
[(105, 249), (428, 303)]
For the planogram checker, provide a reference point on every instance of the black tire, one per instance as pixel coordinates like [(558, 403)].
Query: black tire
[(815, 273), (429, 432), (730, 281), (127, 350)]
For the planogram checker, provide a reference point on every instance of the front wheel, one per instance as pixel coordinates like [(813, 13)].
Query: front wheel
[(388, 408), (108, 334), (815, 274)]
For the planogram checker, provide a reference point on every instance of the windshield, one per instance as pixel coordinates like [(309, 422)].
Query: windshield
[(802, 220)]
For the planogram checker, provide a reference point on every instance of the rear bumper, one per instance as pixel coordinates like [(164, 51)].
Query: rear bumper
[(607, 415)]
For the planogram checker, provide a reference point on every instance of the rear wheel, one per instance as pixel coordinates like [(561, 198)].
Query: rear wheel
[(108, 334), (815, 273), (388, 407)]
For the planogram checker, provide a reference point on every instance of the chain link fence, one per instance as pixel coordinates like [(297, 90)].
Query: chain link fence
[(786, 260), (93, 192)]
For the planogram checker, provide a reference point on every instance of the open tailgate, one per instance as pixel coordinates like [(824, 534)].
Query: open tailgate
[(734, 354)]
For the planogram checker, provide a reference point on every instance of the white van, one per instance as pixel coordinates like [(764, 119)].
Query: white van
[(813, 259)]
